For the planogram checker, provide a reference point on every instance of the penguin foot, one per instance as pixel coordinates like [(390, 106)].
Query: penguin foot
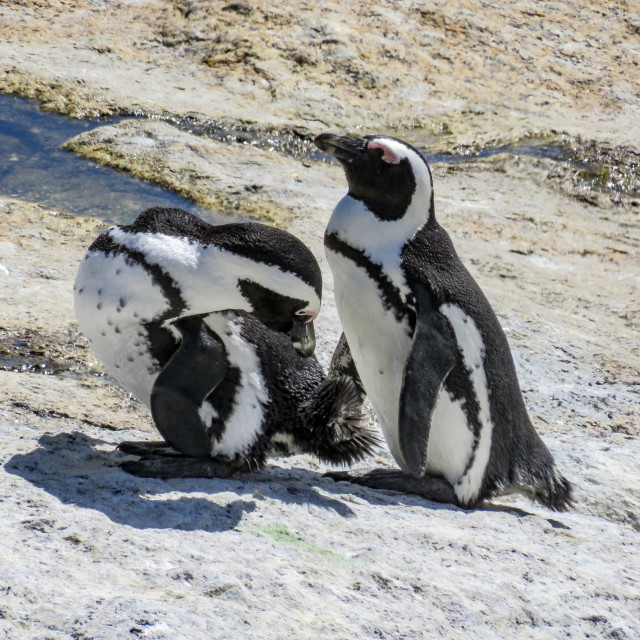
[(148, 448), (166, 467), (431, 488)]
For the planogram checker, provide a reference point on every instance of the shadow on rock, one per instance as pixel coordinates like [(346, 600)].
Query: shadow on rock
[(71, 467), (373, 497)]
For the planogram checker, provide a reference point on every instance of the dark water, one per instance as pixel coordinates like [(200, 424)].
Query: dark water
[(538, 148), (34, 167), (535, 147)]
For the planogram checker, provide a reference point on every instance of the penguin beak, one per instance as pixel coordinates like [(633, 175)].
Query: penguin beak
[(342, 148), (303, 337)]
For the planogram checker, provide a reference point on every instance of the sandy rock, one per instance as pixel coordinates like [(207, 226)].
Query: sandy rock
[(46, 367), (378, 65), (90, 552), (39, 253)]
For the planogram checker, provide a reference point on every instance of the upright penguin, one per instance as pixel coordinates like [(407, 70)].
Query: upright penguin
[(212, 327), (425, 341)]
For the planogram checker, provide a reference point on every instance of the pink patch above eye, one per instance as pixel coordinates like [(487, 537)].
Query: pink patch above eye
[(306, 312), (388, 155)]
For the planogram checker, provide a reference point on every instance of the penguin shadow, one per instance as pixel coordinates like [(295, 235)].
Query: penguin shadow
[(71, 467), (78, 470), (384, 497)]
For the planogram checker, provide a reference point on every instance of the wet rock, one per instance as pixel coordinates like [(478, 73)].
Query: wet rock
[(234, 178), (601, 174)]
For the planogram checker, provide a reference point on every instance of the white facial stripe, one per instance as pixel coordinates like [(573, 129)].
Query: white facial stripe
[(418, 210), (382, 240), (245, 422), (400, 151), (388, 154), (208, 276), (470, 341)]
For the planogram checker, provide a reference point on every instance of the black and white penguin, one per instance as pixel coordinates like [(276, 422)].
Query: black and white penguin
[(235, 393), (426, 344), (188, 317), (136, 279)]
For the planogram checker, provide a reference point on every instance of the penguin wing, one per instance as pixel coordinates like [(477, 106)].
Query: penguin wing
[(192, 373), (433, 355)]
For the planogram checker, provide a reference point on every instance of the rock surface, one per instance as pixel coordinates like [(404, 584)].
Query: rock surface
[(90, 552), (481, 75)]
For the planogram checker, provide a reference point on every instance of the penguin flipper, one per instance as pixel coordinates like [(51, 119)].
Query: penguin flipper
[(429, 487), (192, 373), (433, 355)]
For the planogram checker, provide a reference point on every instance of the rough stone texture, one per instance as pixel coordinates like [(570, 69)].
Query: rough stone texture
[(482, 72), (89, 552), (46, 367)]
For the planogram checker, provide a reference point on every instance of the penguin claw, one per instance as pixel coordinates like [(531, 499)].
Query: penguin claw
[(431, 488), (183, 467)]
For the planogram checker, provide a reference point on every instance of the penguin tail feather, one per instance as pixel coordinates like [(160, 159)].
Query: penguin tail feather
[(334, 423), (546, 486), (557, 494)]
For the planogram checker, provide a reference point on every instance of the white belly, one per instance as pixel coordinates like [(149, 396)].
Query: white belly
[(380, 345), (112, 299)]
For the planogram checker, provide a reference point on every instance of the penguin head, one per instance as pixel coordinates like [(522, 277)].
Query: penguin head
[(281, 311), (388, 175)]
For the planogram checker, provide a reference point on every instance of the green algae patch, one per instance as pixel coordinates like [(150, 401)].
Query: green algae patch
[(281, 534)]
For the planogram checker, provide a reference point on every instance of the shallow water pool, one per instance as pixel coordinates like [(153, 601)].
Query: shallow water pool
[(35, 168)]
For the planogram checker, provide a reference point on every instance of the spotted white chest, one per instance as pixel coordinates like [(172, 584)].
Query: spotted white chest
[(113, 298)]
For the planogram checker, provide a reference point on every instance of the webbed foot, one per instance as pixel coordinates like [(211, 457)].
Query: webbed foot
[(172, 466), (148, 448), (431, 488)]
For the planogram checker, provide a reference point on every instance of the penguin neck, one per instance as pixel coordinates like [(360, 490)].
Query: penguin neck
[(381, 241)]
